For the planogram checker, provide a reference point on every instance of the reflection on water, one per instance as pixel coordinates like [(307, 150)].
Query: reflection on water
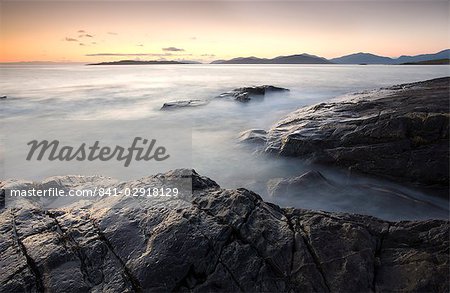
[(137, 92)]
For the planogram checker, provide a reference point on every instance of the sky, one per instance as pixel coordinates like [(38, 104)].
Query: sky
[(87, 31)]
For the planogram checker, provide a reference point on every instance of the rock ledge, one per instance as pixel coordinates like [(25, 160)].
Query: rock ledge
[(401, 132), (213, 240)]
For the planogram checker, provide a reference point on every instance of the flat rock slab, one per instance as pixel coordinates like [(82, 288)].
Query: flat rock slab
[(213, 240), (399, 132), (183, 104)]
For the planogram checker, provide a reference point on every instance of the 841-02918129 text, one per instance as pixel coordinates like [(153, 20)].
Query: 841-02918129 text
[(100, 192)]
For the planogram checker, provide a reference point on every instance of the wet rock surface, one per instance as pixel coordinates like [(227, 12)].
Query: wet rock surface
[(245, 94), (212, 240), (399, 132)]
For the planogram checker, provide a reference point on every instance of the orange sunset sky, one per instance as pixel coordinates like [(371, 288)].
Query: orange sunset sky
[(87, 31)]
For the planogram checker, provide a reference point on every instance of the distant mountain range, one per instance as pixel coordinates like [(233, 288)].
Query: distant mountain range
[(441, 57), (357, 58), (367, 58), (291, 59)]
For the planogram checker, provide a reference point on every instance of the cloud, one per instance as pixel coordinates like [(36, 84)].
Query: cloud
[(128, 54), (193, 38), (167, 54), (81, 44), (86, 36), (172, 49), (71, 39), (94, 43), (81, 31), (112, 33), (208, 55), (140, 45)]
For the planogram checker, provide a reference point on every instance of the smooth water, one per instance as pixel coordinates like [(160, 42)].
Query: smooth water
[(79, 92)]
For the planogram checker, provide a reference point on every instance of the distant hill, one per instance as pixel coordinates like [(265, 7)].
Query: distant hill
[(367, 58), (291, 59), (444, 54), (136, 62), (362, 58), (429, 62)]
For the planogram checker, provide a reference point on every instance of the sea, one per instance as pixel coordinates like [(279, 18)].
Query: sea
[(137, 92)]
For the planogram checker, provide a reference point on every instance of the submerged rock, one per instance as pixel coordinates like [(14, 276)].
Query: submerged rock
[(400, 132), (213, 240), (289, 186), (258, 136), (183, 104), (244, 94), (355, 195)]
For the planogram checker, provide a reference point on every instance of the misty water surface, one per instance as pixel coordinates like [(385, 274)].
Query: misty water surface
[(79, 92)]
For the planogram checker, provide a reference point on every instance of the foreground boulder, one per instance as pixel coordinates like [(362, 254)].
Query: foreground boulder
[(399, 132), (245, 94), (211, 240)]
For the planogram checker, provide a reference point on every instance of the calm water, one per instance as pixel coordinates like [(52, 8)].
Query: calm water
[(137, 92)]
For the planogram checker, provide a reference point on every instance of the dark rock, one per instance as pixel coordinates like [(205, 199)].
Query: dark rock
[(244, 94), (3, 97), (242, 97), (214, 240), (2, 198), (400, 132), (183, 104)]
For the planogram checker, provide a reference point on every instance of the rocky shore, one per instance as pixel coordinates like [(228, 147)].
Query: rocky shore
[(212, 239), (400, 132)]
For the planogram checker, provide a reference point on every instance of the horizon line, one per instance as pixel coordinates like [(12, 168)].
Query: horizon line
[(193, 60)]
